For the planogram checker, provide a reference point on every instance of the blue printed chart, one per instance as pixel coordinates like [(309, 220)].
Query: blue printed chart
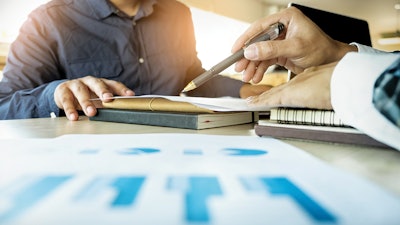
[(180, 179)]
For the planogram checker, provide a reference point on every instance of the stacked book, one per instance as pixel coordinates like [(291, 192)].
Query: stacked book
[(178, 112), (311, 124)]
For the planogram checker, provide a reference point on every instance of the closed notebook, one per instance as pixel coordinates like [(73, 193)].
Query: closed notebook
[(344, 135), (178, 112), (190, 120)]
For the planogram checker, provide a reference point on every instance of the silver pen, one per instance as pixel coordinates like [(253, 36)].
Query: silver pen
[(272, 33)]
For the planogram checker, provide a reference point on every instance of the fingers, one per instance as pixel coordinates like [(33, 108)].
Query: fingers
[(255, 70), (66, 100), (68, 96), (260, 71), (258, 27), (117, 88), (296, 49), (281, 52), (241, 65), (261, 55), (271, 97), (250, 70), (95, 85), (248, 90), (266, 50), (75, 95)]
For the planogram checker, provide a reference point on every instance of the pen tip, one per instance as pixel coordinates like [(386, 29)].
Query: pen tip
[(189, 87)]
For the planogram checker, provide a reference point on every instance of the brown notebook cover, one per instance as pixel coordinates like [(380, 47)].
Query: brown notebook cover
[(165, 103), (155, 104)]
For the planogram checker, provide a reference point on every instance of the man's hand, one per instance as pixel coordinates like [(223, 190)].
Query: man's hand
[(74, 95), (302, 45), (310, 89)]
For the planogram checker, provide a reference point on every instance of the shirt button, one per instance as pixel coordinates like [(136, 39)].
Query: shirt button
[(141, 60)]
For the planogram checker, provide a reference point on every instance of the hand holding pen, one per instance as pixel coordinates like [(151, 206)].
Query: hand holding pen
[(272, 33), (302, 46)]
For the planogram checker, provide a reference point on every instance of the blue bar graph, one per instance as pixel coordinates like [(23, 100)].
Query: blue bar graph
[(192, 152), (138, 151), (244, 152), (126, 188), (283, 186), (31, 195), (196, 191)]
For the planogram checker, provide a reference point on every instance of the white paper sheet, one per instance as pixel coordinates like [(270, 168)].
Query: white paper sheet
[(180, 179)]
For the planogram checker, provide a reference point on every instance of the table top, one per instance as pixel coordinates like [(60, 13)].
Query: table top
[(381, 166)]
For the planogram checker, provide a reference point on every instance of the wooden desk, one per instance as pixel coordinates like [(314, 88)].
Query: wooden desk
[(381, 166)]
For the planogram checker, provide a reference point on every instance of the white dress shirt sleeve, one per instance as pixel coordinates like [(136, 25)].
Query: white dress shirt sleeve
[(352, 90)]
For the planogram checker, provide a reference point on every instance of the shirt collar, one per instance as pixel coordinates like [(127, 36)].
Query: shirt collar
[(146, 9), (103, 9)]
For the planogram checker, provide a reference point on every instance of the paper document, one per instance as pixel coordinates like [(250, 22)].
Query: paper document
[(180, 179)]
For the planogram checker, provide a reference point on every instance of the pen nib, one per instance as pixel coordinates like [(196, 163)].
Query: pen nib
[(189, 87)]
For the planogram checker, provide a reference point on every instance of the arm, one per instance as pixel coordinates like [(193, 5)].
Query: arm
[(30, 75), (352, 91)]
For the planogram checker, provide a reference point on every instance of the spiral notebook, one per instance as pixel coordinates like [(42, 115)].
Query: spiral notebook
[(305, 116)]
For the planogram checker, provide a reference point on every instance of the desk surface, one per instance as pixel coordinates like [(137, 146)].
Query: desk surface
[(381, 166)]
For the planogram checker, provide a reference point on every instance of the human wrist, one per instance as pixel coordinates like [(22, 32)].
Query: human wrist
[(343, 49)]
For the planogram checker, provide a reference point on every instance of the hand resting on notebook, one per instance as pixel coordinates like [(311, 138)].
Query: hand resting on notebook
[(310, 89)]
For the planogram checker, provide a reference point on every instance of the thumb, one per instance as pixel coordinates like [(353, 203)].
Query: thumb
[(266, 50)]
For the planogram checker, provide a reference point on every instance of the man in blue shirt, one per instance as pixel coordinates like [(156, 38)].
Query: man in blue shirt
[(69, 51)]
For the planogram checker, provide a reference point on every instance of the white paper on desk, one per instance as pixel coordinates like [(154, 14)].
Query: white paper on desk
[(180, 179), (222, 104)]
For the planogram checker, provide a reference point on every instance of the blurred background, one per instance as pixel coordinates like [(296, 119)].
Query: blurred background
[(219, 22)]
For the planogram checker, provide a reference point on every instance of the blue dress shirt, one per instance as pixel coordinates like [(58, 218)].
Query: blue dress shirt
[(151, 53)]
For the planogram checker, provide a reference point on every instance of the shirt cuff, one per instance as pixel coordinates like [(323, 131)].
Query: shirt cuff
[(48, 106), (367, 49), (352, 86)]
